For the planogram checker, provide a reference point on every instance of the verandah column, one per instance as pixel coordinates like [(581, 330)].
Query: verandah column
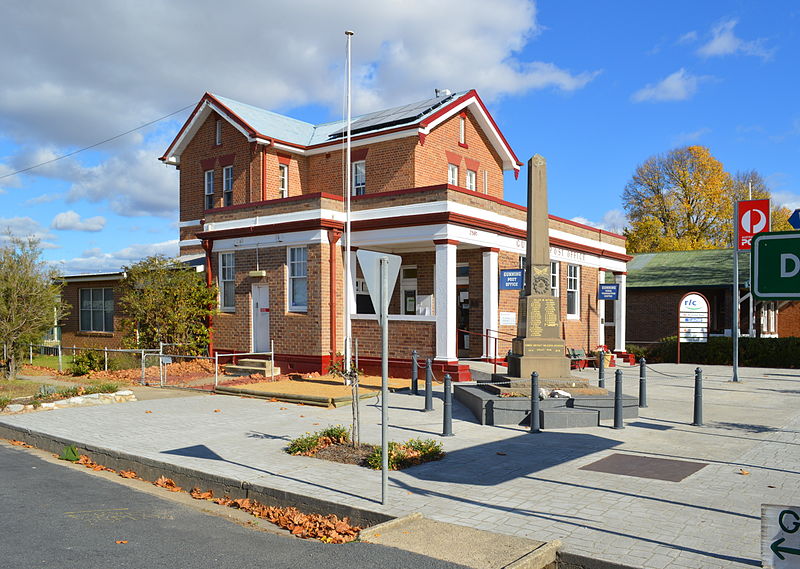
[(619, 313), (490, 299), (446, 304)]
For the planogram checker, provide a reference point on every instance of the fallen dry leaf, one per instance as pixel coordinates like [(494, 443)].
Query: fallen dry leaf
[(217, 410), (20, 444), (273, 399), (302, 416), (744, 472), (121, 541), (148, 411), (282, 409), (128, 474), (315, 423), (167, 483)]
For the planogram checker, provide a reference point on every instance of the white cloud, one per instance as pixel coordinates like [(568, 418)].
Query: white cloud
[(71, 221), (676, 87), (693, 136), (614, 220), (724, 42), (95, 260), (688, 37), (786, 199), (26, 227)]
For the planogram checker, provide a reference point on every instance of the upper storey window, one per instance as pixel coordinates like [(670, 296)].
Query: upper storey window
[(283, 180), (471, 180), (359, 178), (209, 188), (452, 174), (227, 185), (218, 133)]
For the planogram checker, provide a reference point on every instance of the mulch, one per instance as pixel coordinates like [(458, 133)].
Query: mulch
[(346, 454)]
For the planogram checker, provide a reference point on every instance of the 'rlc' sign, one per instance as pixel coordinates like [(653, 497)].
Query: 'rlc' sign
[(753, 218)]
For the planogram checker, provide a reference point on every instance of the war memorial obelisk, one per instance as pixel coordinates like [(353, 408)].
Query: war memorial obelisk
[(538, 346)]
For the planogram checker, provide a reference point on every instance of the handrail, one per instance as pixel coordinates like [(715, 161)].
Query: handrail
[(486, 343)]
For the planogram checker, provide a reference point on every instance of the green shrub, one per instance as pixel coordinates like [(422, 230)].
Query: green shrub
[(106, 387), (638, 351), (409, 453), (310, 443), (753, 352), (336, 433), (87, 361), (4, 401)]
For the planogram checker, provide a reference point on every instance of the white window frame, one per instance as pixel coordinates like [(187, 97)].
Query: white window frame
[(554, 277), (452, 174), (283, 180), (227, 185), (408, 285), (106, 296), (462, 130), (227, 280), (359, 182), (218, 133), (472, 180), (574, 288), (297, 270), (208, 184)]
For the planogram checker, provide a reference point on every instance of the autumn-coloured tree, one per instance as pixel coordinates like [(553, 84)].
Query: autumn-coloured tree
[(30, 301), (163, 300), (684, 200)]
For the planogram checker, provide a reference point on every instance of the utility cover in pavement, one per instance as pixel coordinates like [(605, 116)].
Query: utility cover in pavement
[(645, 467)]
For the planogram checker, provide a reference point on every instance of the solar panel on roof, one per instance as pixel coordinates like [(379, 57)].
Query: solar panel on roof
[(392, 117)]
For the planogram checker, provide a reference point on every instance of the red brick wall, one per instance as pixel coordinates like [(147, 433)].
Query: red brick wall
[(789, 320), (71, 335), (580, 333), (404, 336)]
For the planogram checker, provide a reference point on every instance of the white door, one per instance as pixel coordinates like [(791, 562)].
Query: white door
[(260, 295)]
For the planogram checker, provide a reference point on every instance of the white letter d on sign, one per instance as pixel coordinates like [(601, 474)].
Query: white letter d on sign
[(785, 259)]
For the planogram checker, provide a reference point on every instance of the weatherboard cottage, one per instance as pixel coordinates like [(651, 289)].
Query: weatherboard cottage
[(261, 200)]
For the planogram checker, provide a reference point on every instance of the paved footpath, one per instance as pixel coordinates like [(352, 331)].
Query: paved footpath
[(504, 479)]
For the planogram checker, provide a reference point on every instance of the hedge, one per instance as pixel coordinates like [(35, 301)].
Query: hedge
[(753, 352)]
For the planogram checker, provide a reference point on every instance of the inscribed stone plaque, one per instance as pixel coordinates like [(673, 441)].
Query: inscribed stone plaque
[(543, 321)]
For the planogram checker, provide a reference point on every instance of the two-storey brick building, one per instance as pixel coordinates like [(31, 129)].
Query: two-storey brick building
[(261, 195)]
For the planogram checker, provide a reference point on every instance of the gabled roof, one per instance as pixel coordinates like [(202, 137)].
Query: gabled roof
[(687, 269), (266, 127)]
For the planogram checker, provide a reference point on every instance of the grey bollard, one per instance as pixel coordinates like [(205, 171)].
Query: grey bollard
[(535, 419), (698, 398), (601, 371), (428, 385), (618, 424), (642, 382), (414, 373), (447, 430)]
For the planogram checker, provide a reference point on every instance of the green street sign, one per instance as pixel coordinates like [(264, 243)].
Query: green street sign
[(775, 265)]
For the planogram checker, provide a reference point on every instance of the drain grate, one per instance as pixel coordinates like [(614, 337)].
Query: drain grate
[(645, 467)]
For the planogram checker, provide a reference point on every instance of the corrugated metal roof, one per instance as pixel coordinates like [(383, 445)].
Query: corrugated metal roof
[(701, 268), (302, 133)]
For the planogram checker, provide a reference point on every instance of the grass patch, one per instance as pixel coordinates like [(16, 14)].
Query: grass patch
[(18, 388), (50, 361)]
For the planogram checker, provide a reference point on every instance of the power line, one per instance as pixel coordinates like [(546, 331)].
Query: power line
[(74, 152)]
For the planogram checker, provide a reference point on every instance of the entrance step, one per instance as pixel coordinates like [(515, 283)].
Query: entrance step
[(250, 366)]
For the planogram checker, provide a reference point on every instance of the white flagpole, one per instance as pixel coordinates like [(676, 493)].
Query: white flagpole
[(348, 284)]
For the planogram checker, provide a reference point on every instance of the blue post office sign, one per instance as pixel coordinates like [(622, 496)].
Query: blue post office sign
[(512, 279), (608, 292)]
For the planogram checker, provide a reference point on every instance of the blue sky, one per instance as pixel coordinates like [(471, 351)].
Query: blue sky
[(595, 87)]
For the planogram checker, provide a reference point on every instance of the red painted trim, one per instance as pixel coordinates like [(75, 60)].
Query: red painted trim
[(422, 136), (227, 160), (490, 249), (453, 158), (333, 238), (208, 164), (358, 154), (462, 114), (516, 174), (473, 165), (208, 246), (463, 145), (446, 242), (276, 200), (284, 159), (288, 227), (589, 227), (184, 127)]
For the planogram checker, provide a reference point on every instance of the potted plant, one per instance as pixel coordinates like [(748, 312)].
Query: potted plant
[(603, 352)]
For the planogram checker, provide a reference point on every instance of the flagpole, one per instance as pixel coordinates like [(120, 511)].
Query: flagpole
[(735, 292), (348, 284)]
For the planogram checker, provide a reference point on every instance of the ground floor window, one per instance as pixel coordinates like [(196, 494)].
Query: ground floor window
[(97, 310), (227, 283), (408, 290), (573, 291), (298, 279)]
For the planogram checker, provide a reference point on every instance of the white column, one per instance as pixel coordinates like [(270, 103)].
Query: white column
[(619, 314), (490, 300), (446, 304), (352, 291), (601, 312)]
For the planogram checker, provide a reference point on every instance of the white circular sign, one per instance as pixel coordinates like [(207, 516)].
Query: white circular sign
[(754, 221)]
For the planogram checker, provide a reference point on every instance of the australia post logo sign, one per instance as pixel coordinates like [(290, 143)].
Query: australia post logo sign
[(753, 218)]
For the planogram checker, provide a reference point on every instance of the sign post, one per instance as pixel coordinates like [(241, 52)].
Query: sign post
[(380, 274), (751, 217), (780, 536), (692, 319)]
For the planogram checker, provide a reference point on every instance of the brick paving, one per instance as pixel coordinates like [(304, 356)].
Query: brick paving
[(503, 479)]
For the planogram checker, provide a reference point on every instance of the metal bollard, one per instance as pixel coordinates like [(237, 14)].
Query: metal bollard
[(618, 424), (601, 371), (414, 373), (30, 354), (105, 359), (60, 366), (428, 385), (698, 398), (535, 419), (642, 382), (447, 430)]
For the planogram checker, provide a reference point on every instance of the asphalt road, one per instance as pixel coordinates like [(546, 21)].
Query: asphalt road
[(56, 515)]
